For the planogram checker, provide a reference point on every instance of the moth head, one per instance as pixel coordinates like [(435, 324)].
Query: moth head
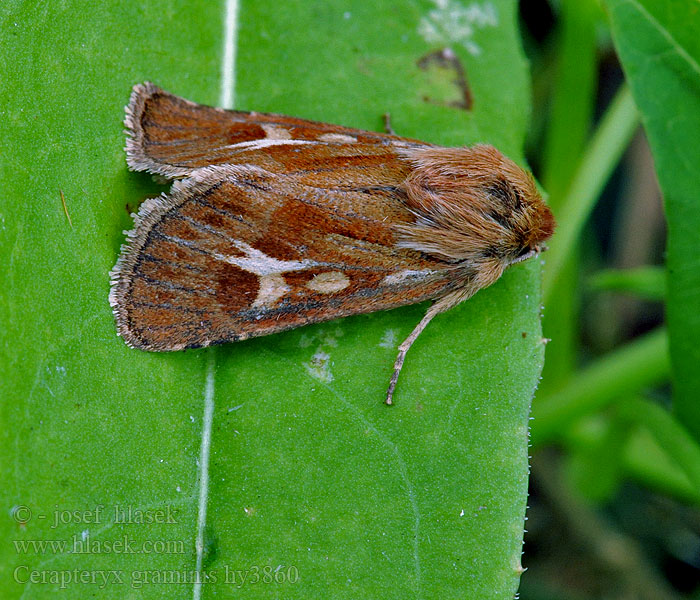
[(474, 206)]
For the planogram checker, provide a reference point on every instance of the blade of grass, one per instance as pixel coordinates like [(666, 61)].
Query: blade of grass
[(648, 283), (600, 158), (646, 462), (573, 100), (668, 432), (640, 363)]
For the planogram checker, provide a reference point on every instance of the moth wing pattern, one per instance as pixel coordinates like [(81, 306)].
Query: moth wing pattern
[(219, 260), (170, 136)]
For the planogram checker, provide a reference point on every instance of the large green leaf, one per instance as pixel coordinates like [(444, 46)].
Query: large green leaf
[(305, 470), (659, 46)]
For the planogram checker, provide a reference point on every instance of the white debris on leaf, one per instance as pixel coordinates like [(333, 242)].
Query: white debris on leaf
[(451, 22), (324, 339), (389, 339), (319, 366)]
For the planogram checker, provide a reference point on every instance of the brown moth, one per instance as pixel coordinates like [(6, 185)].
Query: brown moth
[(275, 222)]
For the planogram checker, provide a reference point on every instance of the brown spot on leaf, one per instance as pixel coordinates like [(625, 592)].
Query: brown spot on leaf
[(447, 79)]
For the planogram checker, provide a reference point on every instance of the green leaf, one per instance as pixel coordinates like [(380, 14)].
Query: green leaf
[(648, 283), (660, 51), (305, 473)]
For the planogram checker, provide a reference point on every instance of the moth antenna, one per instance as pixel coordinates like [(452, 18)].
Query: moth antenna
[(435, 309)]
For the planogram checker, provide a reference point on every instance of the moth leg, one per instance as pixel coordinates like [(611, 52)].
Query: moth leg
[(403, 348), (387, 124), (441, 305)]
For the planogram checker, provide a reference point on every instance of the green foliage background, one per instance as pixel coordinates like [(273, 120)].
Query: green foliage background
[(660, 53), (307, 467), (605, 414)]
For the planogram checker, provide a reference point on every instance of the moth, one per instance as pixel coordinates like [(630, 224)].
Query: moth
[(275, 222)]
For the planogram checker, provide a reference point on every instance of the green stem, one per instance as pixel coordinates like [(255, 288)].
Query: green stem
[(640, 363), (600, 158)]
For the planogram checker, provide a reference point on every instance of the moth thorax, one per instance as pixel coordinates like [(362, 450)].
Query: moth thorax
[(473, 202)]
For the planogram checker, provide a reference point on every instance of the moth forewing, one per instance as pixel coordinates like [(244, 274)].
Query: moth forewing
[(171, 136), (278, 222)]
